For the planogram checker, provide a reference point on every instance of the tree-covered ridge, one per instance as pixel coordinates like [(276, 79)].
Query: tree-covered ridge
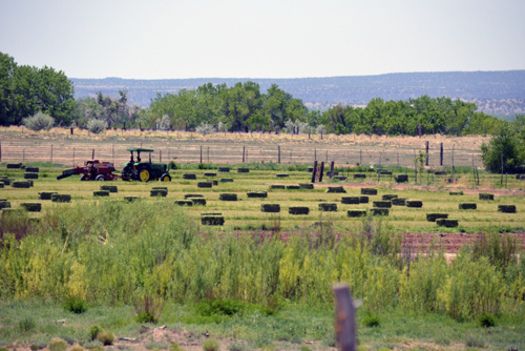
[(423, 115), (26, 90)]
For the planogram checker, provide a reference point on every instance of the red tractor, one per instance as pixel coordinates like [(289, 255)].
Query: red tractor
[(92, 170)]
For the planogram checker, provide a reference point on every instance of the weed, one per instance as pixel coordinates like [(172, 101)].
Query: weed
[(75, 304), (474, 341), (57, 344), (486, 320), (211, 345), (94, 331), (106, 338), (371, 320), (69, 339), (156, 345), (236, 347), (27, 324), (148, 309)]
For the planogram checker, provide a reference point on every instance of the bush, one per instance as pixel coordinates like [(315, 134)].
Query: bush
[(148, 309), (96, 126), (506, 145), (39, 121), (106, 338), (211, 345), (57, 344), (486, 320), (75, 304), (94, 331), (27, 324), (371, 320), (236, 347)]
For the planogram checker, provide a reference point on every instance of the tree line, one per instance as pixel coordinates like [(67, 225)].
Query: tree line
[(26, 90)]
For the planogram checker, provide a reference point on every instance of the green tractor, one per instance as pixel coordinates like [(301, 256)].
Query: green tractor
[(135, 169)]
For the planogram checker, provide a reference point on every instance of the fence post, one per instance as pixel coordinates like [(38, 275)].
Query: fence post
[(441, 155), (200, 159), (51, 158), (314, 172), (426, 161), (73, 157), (208, 154), (243, 154), (345, 325), (93, 154), (160, 156), (0, 151), (278, 154)]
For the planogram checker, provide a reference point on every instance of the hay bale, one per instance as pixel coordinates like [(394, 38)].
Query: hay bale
[(336, 189), (158, 192), (282, 175), (456, 193), (364, 199), (32, 169), (32, 206), (1, 185), (520, 176), (224, 169), (28, 175), (187, 196), (382, 204), (61, 198), (5, 204), (432, 217), (204, 184), (368, 191), (160, 188), (401, 178), (507, 208), (131, 198), (277, 186), (31, 182), (257, 194), (327, 207), (198, 201), (341, 179), (399, 201), (310, 169), (384, 172), (228, 197), (359, 176), (20, 184), (226, 180), (440, 173), (298, 210), (271, 208), (212, 220), (110, 188), (293, 187), (13, 165), (468, 206), (215, 182), (184, 202), (486, 196), (189, 176), (101, 193), (414, 203), (308, 186), (8, 181), (350, 200), (389, 197), (448, 223), (210, 174), (356, 213), (377, 211), (243, 170)]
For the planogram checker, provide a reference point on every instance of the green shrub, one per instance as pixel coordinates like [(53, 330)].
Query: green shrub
[(371, 320), (148, 309), (224, 307), (474, 341), (486, 320), (176, 347), (211, 345), (94, 331), (27, 324), (57, 344), (96, 126), (39, 121), (106, 338), (75, 304), (76, 348), (236, 347)]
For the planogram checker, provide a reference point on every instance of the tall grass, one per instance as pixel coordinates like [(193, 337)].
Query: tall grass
[(116, 252)]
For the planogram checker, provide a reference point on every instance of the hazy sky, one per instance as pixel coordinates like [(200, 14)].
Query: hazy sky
[(162, 39)]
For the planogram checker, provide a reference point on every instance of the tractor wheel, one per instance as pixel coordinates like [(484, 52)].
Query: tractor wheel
[(84, 177), (100, 178), (165, 178), (144, 175)]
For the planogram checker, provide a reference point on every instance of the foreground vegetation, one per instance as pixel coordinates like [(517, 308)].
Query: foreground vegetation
[(122, 254)]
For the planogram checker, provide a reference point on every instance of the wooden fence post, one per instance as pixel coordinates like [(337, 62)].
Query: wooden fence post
[(0, 151), (427, 146), (243, 153), (345, 324), (441, 154), (278, 154), (93, 154), (200, 159), (51, 158), (314, 172)]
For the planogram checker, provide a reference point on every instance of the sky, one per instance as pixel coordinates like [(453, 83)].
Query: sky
[(168, 39)]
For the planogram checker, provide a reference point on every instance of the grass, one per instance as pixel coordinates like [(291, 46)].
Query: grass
[(294, 324), (246, 212)]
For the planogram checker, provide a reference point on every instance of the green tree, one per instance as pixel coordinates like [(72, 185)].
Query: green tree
[(505, 150)]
